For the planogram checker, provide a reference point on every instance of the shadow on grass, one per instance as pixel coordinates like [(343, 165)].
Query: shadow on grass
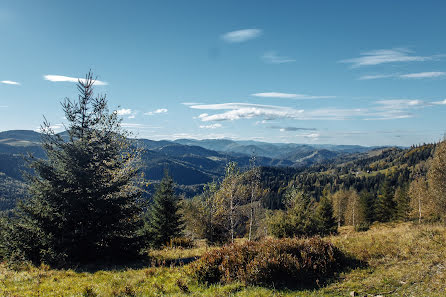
[(141, 263)]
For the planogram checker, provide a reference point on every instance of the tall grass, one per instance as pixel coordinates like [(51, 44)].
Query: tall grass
[(402, 260)]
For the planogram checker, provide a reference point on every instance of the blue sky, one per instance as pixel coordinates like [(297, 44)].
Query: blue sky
[(341, 72)]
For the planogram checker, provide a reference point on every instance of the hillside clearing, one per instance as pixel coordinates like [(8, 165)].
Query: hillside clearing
[(402, 260)]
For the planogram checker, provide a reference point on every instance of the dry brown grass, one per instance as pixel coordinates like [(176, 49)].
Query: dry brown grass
[(402, 260)]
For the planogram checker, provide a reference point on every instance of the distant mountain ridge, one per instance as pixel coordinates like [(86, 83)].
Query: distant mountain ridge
[(191, 163)]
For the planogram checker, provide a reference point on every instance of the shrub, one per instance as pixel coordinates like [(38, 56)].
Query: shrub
[(291, 263), (181, 242), (362, 227)]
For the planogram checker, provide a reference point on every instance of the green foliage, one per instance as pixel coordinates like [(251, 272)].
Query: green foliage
[(275, 263), (165, 218), (367, 203), (325, 215), (298, 220), (385, 205), (437, 179), (402, 201), (85, 203)]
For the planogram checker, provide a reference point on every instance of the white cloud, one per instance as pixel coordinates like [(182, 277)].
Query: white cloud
[(443, 102), (10, 82), (241, 35), (401, 103), (211, 126), (288, 96), (383, 110), (423, 74), (290, 129), (368, 77), (406, 76), (158, 111), (381, 56), (273, 58), (61, 78), (245, 110), (124, 111), (136, 125), (238, 111)]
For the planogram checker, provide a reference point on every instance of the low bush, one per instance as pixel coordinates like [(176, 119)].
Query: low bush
[(291, 263), (181, 242)]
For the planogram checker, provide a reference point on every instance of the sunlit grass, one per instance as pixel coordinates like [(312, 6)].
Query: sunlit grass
[(402, 260)]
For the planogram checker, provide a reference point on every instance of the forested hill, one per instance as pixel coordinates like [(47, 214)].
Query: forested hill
[(192, 163), (366, 171)]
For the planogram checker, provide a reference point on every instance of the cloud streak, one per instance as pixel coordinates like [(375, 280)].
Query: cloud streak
[(10, 82), (291, 129), (272, 57), (381, 56), (388, 109), (241, 35), (158, 111), (211, 126), (61, 78), (418, 75), (289, 96)]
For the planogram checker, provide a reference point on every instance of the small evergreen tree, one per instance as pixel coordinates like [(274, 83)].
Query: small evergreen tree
[(385, 206), (165, 218), (367, 203), (85, 202), (325, 215), (402, 201)]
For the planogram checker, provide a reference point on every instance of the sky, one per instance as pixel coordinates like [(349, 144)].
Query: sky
[(317, 72)]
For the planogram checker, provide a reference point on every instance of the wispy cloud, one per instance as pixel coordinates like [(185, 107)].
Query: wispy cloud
[(401, 103), (158, 111), (443, 102), (61, 78), (124, 111), (418, 75), (211, 126), (236, 111), (423, 74), (291, 129), (9, 82), (272, 57), (377, 76), (289, 96), (382, 56), (245, 111), (241, 35), (389, 109), (139, 126)]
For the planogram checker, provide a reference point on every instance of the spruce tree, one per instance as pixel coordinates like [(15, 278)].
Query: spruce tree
[(325, 215), (402, 201), (165, 219), (85, 203), (367, 203), (385, 206)]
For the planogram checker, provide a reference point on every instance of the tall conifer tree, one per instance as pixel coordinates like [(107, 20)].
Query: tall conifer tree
[(85, 203), (165, 218)]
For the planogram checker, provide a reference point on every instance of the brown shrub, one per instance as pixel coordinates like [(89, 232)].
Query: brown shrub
[(181, 242), (291, 263)]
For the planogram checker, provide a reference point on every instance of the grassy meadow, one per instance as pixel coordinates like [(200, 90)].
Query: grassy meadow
[(400, 259)]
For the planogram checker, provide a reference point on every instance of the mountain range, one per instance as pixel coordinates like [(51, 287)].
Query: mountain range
[(190, 162)]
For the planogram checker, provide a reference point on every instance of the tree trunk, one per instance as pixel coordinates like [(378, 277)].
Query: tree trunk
[(419, 210)]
